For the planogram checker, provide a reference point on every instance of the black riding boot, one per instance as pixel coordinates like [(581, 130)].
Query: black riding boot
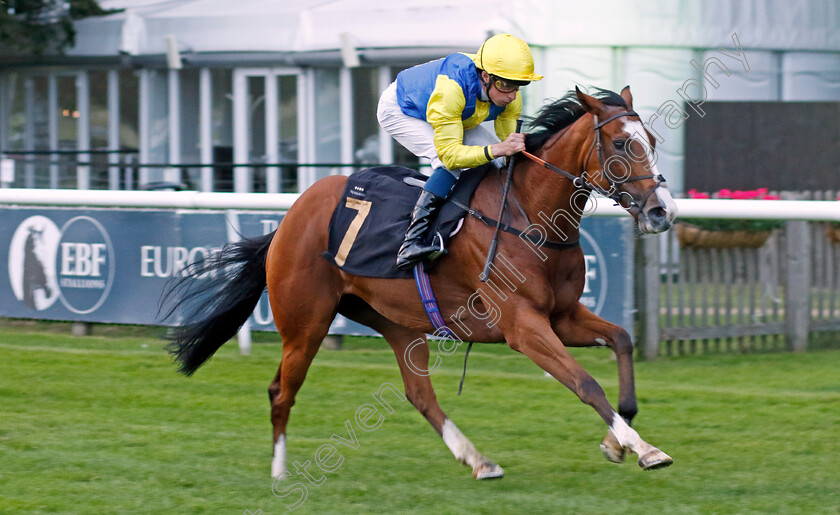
[(414, 249)]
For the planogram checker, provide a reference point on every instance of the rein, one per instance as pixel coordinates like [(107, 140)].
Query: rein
[(582, 181), (492, 252), (486, 220)]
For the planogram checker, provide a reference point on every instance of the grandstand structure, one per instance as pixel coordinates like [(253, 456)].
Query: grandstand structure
[(249, 96)]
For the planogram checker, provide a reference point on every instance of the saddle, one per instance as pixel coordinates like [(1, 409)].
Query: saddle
[(369, 223)]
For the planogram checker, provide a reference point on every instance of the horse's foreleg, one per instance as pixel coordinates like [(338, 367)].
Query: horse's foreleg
[(585, 329), (412, 352), (534, 337)]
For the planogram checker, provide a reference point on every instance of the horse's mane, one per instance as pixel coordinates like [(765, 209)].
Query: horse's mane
[(557, 115)]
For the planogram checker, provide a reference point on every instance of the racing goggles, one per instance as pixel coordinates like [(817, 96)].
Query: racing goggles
[(505, 85)]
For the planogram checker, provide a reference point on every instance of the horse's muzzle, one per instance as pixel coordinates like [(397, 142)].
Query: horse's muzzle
[(659, 213), (658, 218)]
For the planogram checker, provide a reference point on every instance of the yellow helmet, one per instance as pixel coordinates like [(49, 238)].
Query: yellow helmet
[(507, 57)]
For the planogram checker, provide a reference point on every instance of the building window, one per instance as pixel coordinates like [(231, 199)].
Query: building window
[(327, 120), (158, 112), (289, 140), (222, 128), (365, 126), (129, 103), (190, 127), (17, 116)]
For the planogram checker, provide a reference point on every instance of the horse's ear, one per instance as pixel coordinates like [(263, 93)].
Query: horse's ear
[(589, 103), (628, 98)]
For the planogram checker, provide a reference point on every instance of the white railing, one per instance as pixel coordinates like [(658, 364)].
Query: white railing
[(147, 199), (808, 210), (814, 210)]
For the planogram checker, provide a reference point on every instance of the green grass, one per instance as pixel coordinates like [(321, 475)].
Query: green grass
[(104, 424)]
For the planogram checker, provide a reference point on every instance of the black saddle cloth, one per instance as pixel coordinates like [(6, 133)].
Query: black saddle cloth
[(369, 223)]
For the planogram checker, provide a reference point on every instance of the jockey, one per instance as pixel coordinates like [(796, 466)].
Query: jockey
[(435, 111)]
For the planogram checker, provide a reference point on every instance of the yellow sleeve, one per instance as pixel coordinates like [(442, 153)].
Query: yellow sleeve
[(444, 114), (506, 121)]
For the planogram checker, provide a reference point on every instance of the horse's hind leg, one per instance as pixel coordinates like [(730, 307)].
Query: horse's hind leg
[(302, 328), (297, 356)]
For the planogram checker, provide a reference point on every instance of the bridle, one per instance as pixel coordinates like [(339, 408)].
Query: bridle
[(621, 198), (579, 181)]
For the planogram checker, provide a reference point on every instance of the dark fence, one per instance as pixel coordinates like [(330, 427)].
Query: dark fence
[(781, 293)]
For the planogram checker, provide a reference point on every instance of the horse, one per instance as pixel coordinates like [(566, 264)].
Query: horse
[(539, 318)]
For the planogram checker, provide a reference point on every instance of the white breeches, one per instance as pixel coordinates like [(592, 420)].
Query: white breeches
[(417, 135)]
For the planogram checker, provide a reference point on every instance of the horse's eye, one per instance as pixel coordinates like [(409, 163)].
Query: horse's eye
[(619, 144)]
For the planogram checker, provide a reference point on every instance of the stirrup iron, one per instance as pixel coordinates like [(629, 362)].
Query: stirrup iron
[(437, 240)]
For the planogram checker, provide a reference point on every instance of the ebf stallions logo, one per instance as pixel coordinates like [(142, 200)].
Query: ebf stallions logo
[(74, 263)]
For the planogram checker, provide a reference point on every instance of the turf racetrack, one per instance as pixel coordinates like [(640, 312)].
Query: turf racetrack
[(106, 425)]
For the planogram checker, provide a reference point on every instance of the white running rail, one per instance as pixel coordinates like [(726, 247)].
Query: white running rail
[(817, 210)]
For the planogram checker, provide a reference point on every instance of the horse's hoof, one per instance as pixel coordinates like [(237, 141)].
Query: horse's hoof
[(655, 459), (488, 470), (613, 450)]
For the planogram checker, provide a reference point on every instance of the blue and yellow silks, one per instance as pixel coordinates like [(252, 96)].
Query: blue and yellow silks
[(447, 94)]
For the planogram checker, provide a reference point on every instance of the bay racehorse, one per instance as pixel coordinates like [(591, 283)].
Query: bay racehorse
[(578, 144)]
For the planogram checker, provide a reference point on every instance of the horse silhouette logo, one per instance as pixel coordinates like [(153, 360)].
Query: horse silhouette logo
[(32, 256), (34, 276)]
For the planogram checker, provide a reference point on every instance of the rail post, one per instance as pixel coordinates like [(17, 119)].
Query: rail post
[(333, 342), (797, 285), (649, 299), (243, 338)]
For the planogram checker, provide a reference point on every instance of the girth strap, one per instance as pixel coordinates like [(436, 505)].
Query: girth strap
[(424, 288)]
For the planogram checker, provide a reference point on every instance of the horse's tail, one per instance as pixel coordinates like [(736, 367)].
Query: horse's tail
[(212, 299)]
